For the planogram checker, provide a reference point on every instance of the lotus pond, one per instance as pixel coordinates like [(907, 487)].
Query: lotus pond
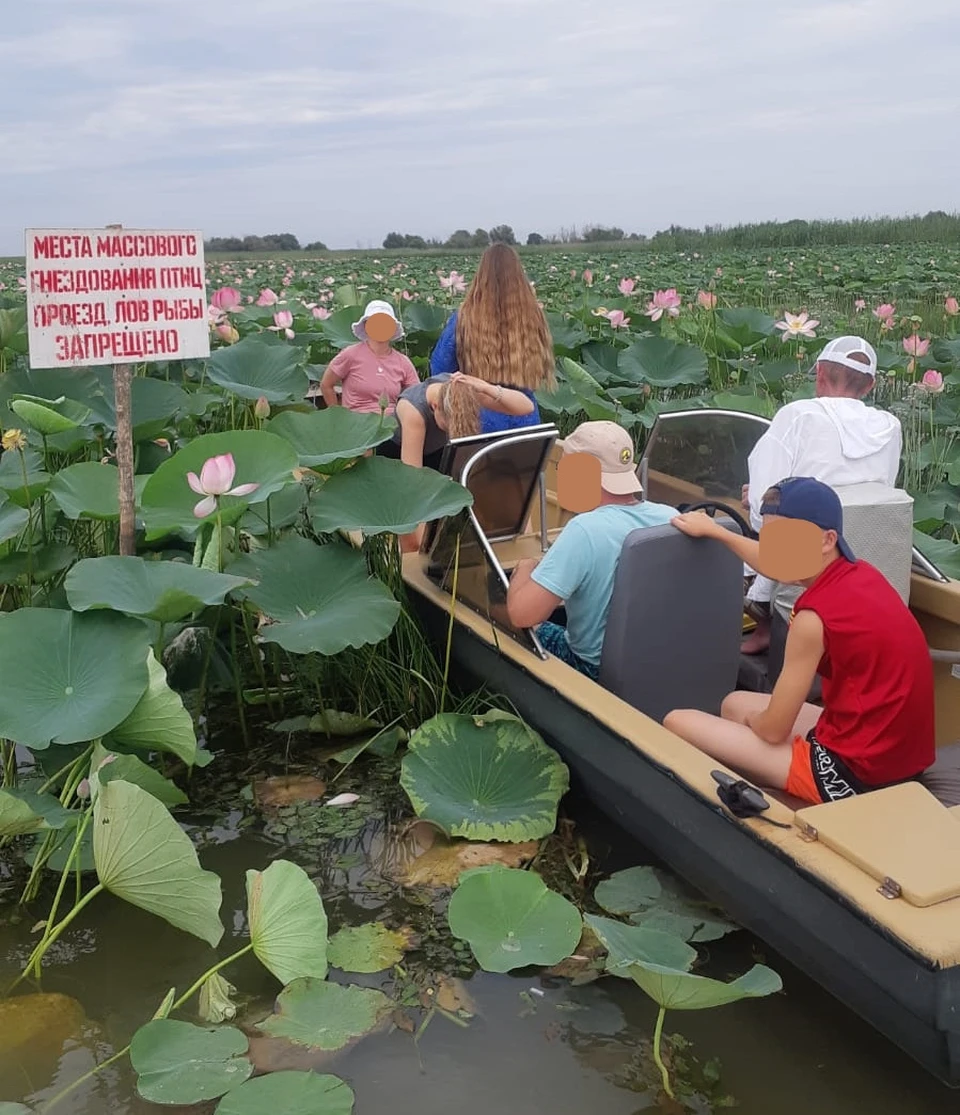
[(258, 851)]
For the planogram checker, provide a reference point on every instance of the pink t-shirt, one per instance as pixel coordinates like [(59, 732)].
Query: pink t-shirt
[(365, 377)]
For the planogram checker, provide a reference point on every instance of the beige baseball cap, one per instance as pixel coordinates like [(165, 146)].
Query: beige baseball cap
[(613, 448)]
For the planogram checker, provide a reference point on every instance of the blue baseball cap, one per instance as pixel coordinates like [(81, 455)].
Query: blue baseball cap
[(802, 497)]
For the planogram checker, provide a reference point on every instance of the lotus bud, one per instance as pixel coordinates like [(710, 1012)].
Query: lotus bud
[(226, 332), (262, 408)]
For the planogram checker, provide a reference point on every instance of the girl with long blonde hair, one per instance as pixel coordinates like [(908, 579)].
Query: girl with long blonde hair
[(499, 335)]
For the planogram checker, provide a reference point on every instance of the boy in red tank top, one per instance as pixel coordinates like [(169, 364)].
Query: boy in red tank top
[(876, 727)]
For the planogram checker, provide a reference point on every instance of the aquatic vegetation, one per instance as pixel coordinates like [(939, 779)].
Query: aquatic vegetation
[(487, 777), (657, 901), (323, 1015), (179, 1063), (367, 948), (511, 919), (288, 924), (293, 1093)]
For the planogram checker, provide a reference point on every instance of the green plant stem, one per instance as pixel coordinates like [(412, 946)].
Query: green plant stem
[(35, 956), (657, 1035), (195, 987), (74, 854)]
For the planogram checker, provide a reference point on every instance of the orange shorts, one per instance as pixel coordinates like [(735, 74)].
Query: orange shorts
[(817, 775)]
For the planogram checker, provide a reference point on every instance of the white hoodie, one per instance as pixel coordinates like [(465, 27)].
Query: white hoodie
[(836, 441)]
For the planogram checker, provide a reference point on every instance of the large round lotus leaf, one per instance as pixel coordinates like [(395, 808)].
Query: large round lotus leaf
[(367, 948), (334, 434), (154, 404), (321, 598), (288, 1093), (337, 328), (744, 325), (40, 563), (168, 500), (179, 1063), (49, 416), (484, 778), (79, 384), (68, 677), (662, 363), (13, 519), (322, 1015), (144, 857), (288, 924), (625, 892), (628, 944), (253, 368), (674, 990), (656, 900), (420, 317), (23, 490), (25, 811), (378, 495), (166, 591), (159, 722), (511, 919), (90, 489)]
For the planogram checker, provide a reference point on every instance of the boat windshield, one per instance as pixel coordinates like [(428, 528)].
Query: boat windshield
[(699, 455)]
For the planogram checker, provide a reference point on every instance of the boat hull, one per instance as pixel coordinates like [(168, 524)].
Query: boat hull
[(899, 993)]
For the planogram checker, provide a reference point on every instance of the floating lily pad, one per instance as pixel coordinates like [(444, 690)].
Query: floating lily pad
[(367, 948), (179, 1063), (655, 900), (628, 944), (484, 778), (289, 1093), (66, 677), (321, 598), (321, 1015), (675, 990), (511, 919), (145, 858), (165, 591), (378, 495), (288, 924)]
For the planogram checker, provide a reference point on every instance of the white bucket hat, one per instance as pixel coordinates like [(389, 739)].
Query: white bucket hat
[(376, 307), (840, 352)]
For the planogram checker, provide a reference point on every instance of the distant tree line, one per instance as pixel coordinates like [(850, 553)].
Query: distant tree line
[(276, 242)]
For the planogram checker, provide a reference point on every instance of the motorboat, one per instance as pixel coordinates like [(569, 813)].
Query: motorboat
[(862, 894)]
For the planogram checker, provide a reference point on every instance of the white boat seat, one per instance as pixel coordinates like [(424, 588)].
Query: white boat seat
[(675, 623)]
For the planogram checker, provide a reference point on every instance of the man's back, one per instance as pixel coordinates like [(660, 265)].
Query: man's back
[(581, 565), (838, 441)]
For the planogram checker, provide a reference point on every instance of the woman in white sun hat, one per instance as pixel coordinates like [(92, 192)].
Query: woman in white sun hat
[(371, 373)]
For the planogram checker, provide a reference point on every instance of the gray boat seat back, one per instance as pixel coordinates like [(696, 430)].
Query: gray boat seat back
[(675, 623), (878, 524)]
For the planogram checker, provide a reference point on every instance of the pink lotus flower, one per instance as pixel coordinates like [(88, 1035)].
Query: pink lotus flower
[(951, 306), (859, 305), (406, 296), (884, 311), (625, 286), (227, 299), (321, 313), (617, 319), (226, 332), (663, 302), (914, 346), (268, 298), (588, 277), (932, 382), (282, 320), (453, 282), (707, 300), (797, 325), (214, 481)]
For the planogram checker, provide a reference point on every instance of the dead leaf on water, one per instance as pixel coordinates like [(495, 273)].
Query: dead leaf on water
[(284, 789), (582, 966), (445, 860), (449, 994)]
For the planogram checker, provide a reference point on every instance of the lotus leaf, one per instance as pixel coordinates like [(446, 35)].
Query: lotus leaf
[(15, 1109), (66, 677), (179, 1063), (330, 436), (367, 948), (745, 326), (662, 363), (155, 404), (215, 1003), (321, 598), (22, 489), (332, 722), (168, 501), (627, 891), (24, 811), (13, 519), (159, 722), (674, 990), (89, 489), (283, 509), (49, 416), (627, 944), (419, 317), (484, 778), (511, 919), (378, 495), (254, 368), (39, 564), (322, 1015), (165, 591), (144, 857), (289, 1093), (657, 901), (107, 766), (288, 925), (337, 328)]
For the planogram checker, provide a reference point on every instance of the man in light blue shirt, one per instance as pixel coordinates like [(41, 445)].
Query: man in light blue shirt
[(579, 568)]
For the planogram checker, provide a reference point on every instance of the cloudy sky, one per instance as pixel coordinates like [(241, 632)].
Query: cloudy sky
[(343, 121)]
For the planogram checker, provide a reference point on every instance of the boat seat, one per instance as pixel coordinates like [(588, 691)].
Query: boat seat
[(674, 627), (943, 778)]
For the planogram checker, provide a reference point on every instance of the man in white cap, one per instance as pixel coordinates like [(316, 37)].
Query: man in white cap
[(578, 569), (835, 438)]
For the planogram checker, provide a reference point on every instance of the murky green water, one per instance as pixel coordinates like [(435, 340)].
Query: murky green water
[(537, 1045)]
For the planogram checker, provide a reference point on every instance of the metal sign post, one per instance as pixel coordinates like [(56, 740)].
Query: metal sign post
[(115, 296)]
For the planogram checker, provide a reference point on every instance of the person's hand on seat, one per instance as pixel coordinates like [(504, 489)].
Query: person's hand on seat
[(697, 524)]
